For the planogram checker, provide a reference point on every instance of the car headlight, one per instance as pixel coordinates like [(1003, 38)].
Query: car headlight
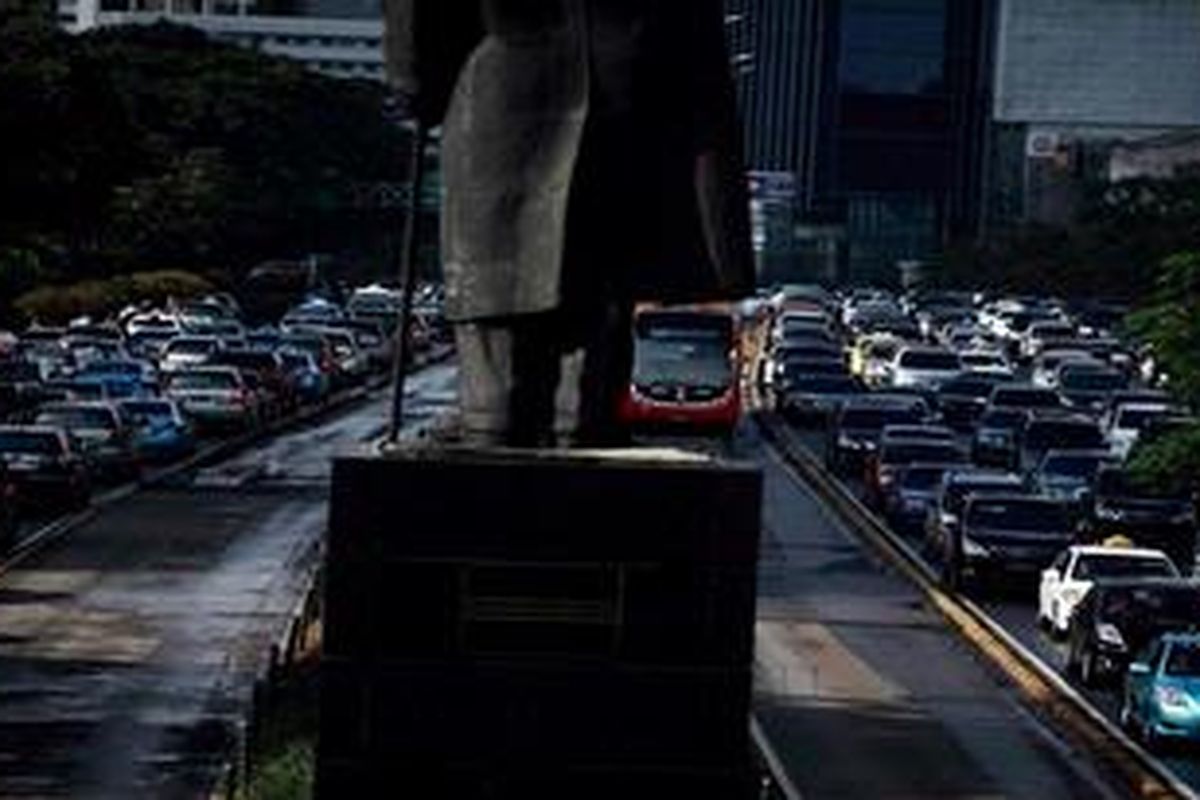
[(1108, 514), (973, 549), (1109, 634), (849, 444), (1170, 697)]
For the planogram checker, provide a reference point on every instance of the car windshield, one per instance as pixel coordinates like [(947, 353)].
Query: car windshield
[(1092, 381), (822, 384), (1002, 419), (29, 442), (78, 417), (113, 368), (297, 361), (967, 388), (191, 347), (1183, 660), (147, 409), (1026, 516), (1137, 418), (955, 495), (1026, 398), (204, 380), (909, 452), (1092, 566), (876, 418), (882, 351), (922, 478), (1164, 606), (1078, 435), (1072, 466), (920, 359), (982, 360)]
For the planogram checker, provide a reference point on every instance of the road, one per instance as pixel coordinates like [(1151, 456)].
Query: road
[(862, 690), (129, 649)]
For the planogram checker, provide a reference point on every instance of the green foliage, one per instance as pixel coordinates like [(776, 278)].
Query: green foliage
[(59, 304), (153, 144), (1170, 322), (286, 773)]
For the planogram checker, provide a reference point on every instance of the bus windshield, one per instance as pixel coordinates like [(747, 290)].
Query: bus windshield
[(693, 350)]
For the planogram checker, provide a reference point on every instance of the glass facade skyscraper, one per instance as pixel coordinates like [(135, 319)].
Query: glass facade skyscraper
[(879, 108)]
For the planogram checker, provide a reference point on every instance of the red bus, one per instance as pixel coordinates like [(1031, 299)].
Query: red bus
[(686, 370)]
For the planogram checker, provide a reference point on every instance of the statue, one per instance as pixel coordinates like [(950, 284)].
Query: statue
[(590, 159)]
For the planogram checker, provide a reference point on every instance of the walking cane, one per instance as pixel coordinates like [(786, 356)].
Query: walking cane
[(408, 276)]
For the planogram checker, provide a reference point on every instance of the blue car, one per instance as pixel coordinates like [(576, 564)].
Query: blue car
[(121, 378), (160, 430), (1162, 690)]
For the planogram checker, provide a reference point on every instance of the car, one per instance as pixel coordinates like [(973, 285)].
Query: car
[(1124, 424), (1043, 371), (994, 443), (1160, 698), (962, 400), (215, 397), (103, 437), (1069, 474), (271, 381), (906, 502), (811, 397), (950, 496), (183, 352), (893, 454), (1025, 397), (309, 383), (1119, 617), (1161, 515), (46, 466), (923, 368), (1002, 535), (1067, 581), (22, 385), (123, 378), (1087, 387), (983, 361), (1035, 337), (1042, 431), (856, 426), (160, 431)]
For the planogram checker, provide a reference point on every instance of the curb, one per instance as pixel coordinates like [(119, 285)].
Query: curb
[(1038, 683)]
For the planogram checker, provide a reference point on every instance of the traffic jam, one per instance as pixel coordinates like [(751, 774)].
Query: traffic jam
[(995, 435), (97, 403)]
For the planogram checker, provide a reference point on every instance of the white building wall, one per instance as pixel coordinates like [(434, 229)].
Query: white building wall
[(1123, 63)]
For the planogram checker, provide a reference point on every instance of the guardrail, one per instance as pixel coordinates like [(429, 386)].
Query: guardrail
[(1041, 685)]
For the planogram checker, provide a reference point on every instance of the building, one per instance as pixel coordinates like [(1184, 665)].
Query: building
[(1077, 78), (907, 124), (341, 38), (878, 109)]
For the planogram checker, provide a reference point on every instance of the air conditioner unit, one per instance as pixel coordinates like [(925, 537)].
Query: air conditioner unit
[(1041, 144)]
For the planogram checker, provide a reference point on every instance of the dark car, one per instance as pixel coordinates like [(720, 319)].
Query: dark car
[(857, 425), (811, 397), (45, 465), (961, 401), (907, 500), (1025, 397), (271, 380), (1007, 534), (1159, 515), (1087, 387), (1069, 474), (1117, 617), (995, 441), (894, 454), (950, 497), (21, 386), (1042, 432)]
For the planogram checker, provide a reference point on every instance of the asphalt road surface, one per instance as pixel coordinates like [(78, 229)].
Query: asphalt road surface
[(129, 649), (862, 690)]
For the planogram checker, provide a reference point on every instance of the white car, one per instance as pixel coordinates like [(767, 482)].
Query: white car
[(1066, 581), (1125, 424), (1033, 341), (183, 352), (923, 367)]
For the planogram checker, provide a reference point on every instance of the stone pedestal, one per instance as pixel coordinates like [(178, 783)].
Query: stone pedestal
[(509, 624)]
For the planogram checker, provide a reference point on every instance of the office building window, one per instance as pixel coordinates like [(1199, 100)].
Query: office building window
[(893, 46)]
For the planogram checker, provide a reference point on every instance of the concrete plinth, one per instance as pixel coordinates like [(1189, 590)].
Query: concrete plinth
[(508, 624)]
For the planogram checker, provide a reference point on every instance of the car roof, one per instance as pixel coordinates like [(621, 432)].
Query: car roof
[(983, 475), (1105, 550)]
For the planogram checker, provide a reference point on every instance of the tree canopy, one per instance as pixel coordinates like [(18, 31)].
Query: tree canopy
[(140, 147)]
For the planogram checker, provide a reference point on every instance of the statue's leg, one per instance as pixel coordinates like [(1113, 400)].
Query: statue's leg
[(509, 372), (595, 375)]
